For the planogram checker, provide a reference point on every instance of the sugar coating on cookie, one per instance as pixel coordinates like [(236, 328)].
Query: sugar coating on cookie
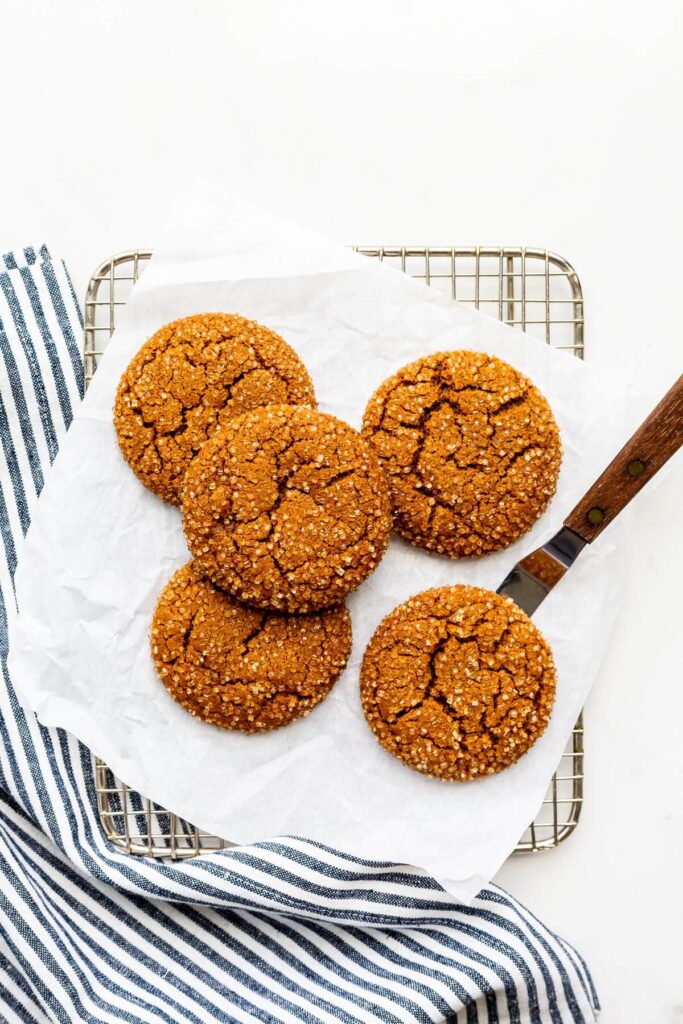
[(287, 508), (471, 450), (240, 668), (457, 683), (189, 379)]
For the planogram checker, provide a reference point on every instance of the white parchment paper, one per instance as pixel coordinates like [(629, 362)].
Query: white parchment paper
[(101, 547)]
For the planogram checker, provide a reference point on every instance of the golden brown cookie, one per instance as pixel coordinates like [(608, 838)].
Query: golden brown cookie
[(190, 378), (240, 668), (471, 450), (457, 682), (286, 508)]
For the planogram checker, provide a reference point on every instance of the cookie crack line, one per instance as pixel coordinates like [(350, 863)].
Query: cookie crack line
[(185, 410), (429, 690), (254, 633), (287, 572), (187, 633), (452, 457), (449, 386), (284, 484), (263, 365), (452, 635), (514, 459)]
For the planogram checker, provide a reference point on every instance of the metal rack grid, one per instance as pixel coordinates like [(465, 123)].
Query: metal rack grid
[(532, 289)]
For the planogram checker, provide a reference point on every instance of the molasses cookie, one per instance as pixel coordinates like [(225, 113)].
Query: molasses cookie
[(239, 668), (190, 378), (457, 682), (287, 508), (470, 448)]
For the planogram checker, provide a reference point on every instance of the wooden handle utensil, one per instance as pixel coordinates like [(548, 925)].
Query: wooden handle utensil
[(659, 437), (529, 582)]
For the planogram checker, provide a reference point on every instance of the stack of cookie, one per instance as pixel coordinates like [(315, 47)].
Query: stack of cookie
[(286, 510)]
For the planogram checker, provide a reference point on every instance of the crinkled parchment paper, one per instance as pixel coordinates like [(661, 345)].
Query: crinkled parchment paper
[(101, 547)]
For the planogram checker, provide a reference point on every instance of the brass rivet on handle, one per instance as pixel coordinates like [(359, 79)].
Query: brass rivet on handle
[(636, 467), (595, 516)]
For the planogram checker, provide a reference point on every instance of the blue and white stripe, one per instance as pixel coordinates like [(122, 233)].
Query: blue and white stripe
[(281, 931)]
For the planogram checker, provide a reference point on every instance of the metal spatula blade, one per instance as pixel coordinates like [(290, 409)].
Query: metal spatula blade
[(536, 575), (532, 579)]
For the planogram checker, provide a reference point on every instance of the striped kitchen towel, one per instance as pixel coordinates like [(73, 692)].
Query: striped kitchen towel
[(278, 931)]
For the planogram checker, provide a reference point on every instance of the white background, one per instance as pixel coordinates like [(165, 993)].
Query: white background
[(505, 123)]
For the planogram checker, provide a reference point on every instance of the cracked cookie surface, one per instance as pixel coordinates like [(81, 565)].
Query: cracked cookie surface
[(457, 683), (190, 378), (240, 668), (287, 508), (471, 450)]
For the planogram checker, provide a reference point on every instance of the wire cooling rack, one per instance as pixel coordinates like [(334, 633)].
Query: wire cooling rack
[(532, 289)]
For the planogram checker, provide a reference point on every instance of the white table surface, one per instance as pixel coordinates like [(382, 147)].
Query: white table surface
[(524, 123)]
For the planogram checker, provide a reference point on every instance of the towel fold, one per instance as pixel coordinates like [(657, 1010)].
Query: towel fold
[(286, 930)]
